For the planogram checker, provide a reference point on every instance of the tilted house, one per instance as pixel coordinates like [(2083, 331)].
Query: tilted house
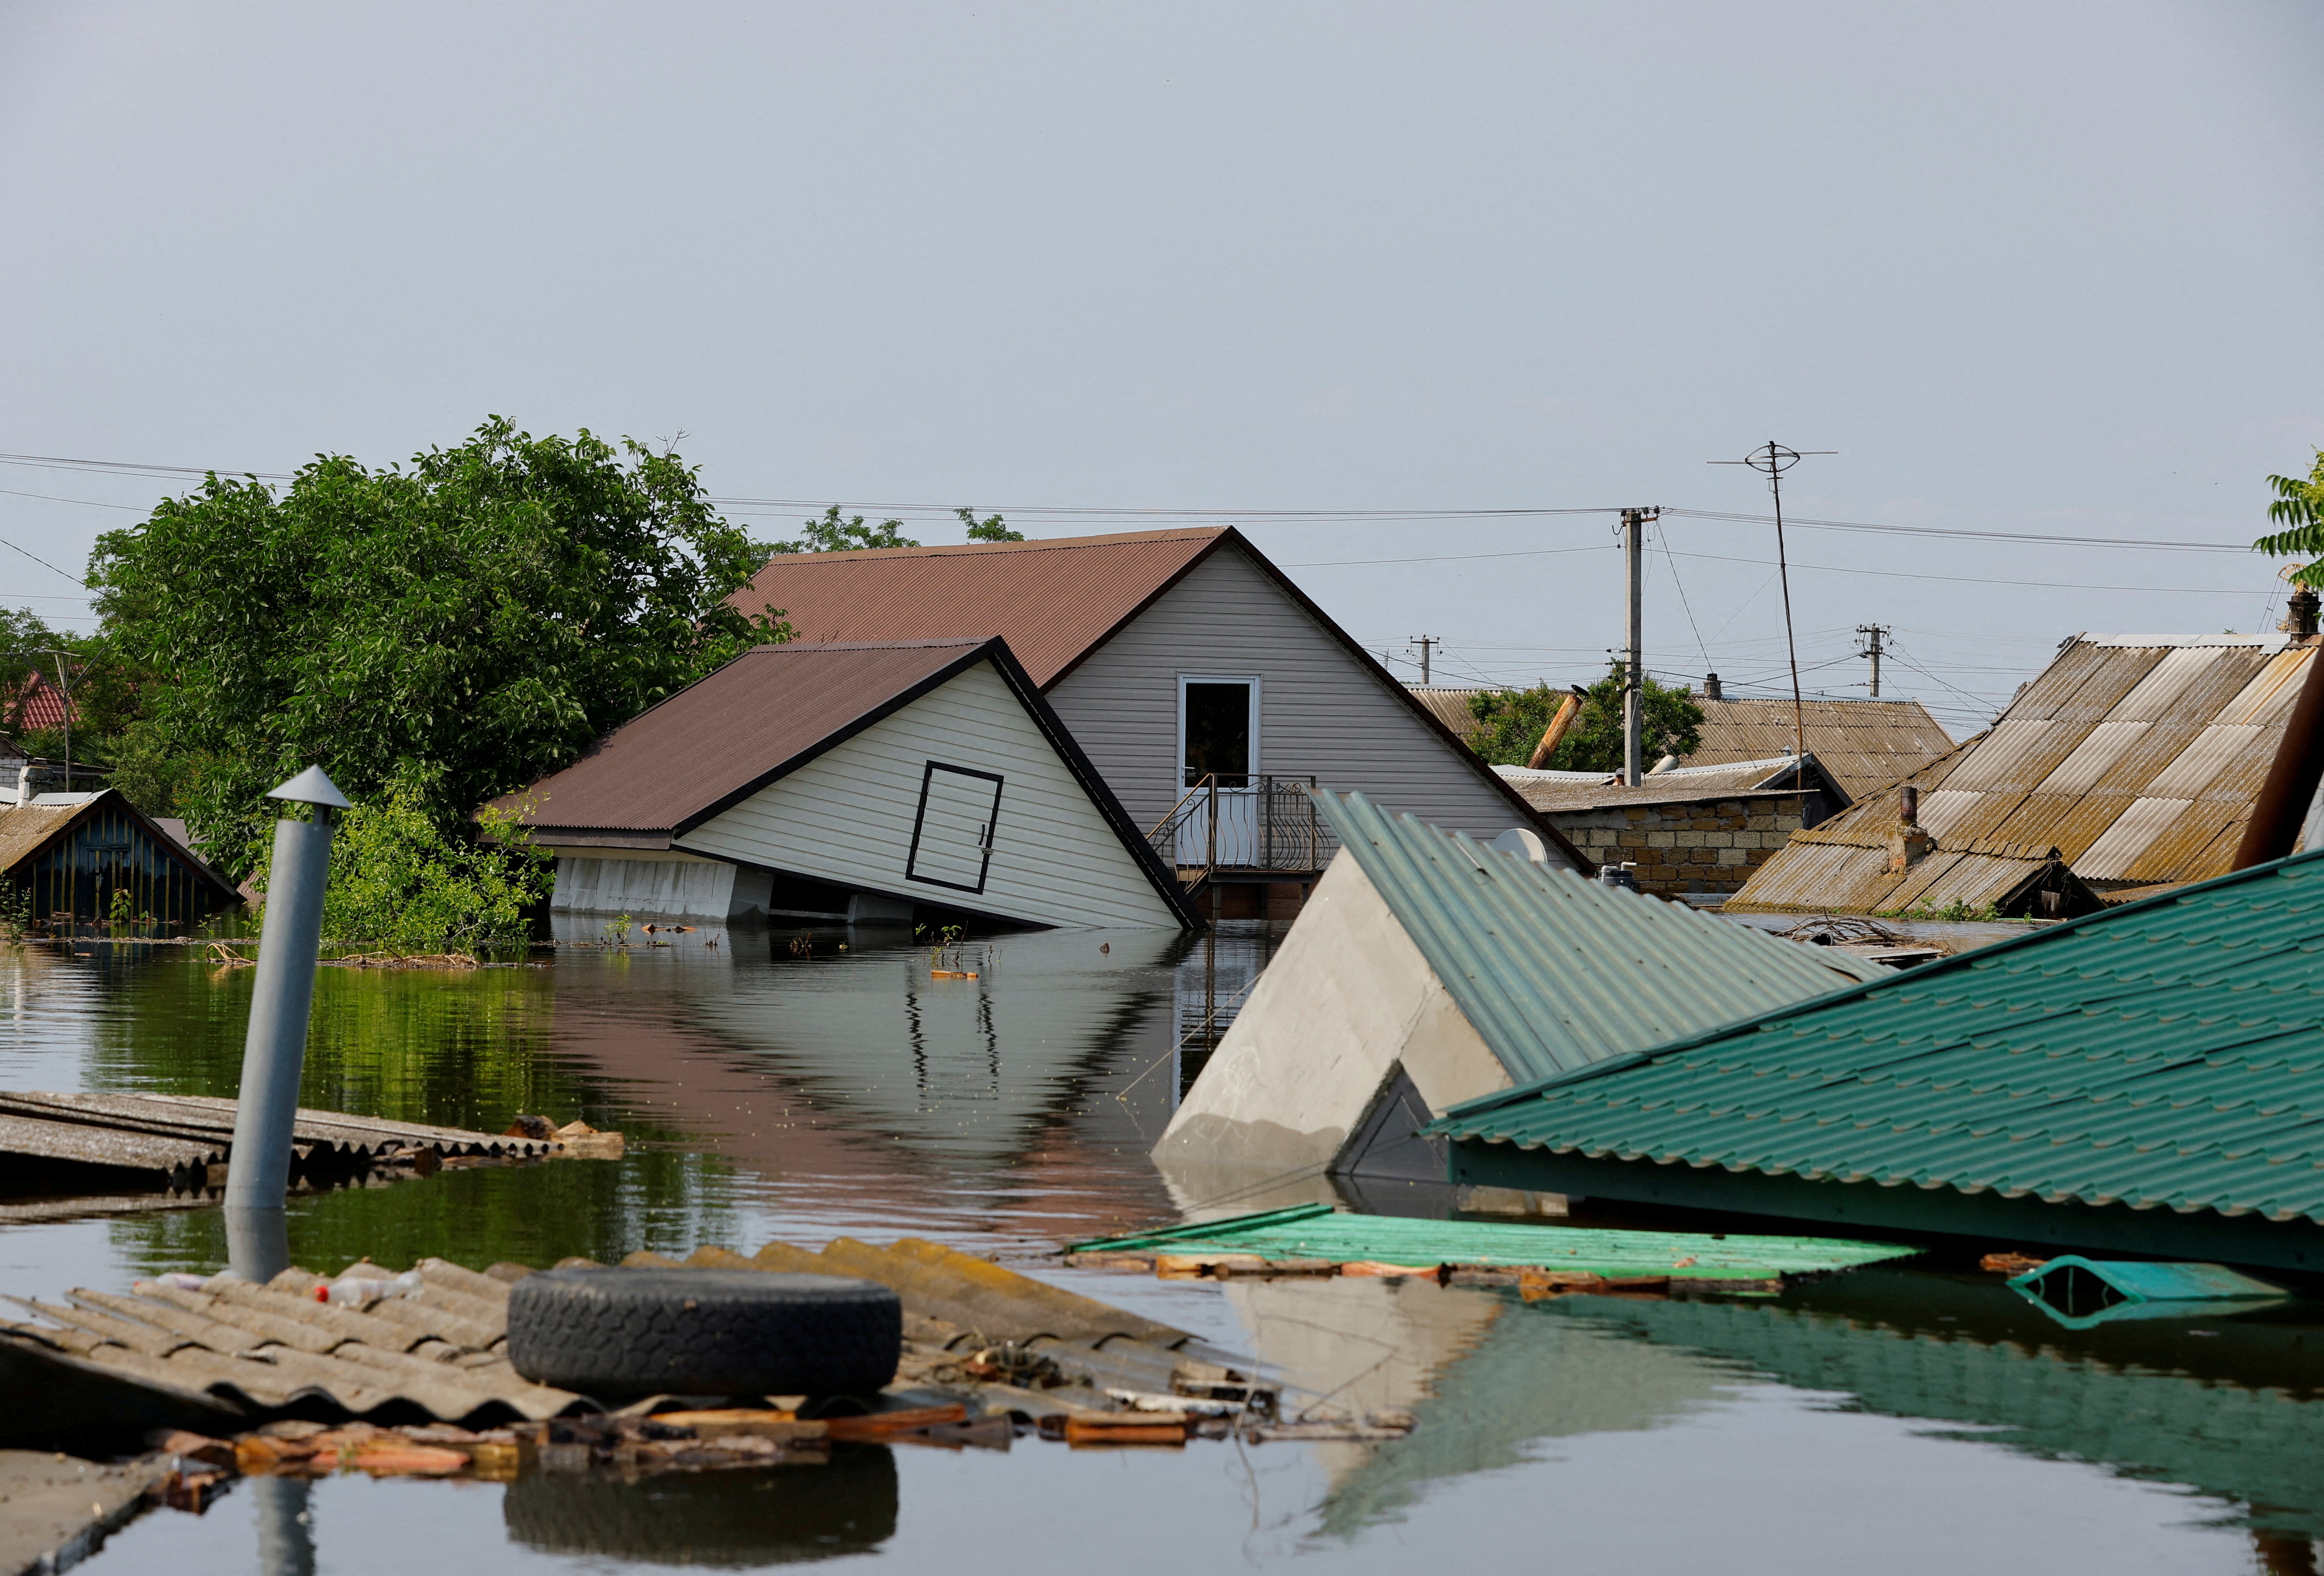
[(2148, 1079), (1428, 970), (1690, 830), (872, 780), (75, 856), (1185, 664), (2133, 760)]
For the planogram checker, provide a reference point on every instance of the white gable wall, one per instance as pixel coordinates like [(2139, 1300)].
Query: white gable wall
[(1321, 713), (846, 817)]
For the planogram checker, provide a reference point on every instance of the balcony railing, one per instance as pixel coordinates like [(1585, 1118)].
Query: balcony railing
[(1246, 823)]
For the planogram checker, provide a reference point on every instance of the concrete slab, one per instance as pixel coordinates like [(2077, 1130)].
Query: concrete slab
[(55, 1510)]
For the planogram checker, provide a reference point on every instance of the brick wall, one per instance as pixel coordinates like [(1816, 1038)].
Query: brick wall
[(1710, 845)]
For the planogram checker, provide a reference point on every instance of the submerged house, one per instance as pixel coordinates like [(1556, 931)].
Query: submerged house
[(2147, 1079), (1688, 831), (1207, 690), (73, 855), (2132, 762), (865, 781), (1429, 969)]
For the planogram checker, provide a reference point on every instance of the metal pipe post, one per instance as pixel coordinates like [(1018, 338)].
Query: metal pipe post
[(1634, 560), (274, 1046)]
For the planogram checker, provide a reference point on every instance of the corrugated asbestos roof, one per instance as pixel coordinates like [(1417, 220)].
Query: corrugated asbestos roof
[(1450, 707), (1555, 972), (2137, 762), (1556, 792), (718, 737), (2167, 1053), (1864, 744), (1053, 600)]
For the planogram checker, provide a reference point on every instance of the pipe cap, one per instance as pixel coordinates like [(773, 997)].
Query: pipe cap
[(312, 787)]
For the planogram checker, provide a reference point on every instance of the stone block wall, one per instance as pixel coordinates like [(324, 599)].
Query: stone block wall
[(1710, 845)]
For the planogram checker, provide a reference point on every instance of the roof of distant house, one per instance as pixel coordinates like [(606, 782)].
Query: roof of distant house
[(2137, 758), (1864, 744), (2158, 1054), (1558, 792)]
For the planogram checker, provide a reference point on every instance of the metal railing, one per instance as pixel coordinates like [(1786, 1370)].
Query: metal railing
[(1262, 822)]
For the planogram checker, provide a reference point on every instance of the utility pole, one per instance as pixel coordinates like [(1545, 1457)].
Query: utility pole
[(1634, 565), (1772, 460), (1873, 635), (1424, 641)]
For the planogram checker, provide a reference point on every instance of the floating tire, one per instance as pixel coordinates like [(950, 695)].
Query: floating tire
[(610, 1332)]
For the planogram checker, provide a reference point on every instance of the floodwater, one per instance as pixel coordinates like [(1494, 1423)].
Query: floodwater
[(777, 1086)]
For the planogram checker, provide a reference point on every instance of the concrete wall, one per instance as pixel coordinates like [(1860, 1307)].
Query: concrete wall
[(848, 816), (1320, 711), (1346, 1000), (1710, 847)]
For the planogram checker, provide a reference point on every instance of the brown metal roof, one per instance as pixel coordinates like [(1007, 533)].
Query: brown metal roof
[(1054, 600), (2137, 758), (1865, 745), (763, 714)]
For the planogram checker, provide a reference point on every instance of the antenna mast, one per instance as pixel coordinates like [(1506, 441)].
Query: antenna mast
[(1772, 460)]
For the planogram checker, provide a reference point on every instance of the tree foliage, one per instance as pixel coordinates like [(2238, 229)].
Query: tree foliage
[(398, 880), (449, 631), (2299, 507), (992, 528), (832, 534), (1512, 721)]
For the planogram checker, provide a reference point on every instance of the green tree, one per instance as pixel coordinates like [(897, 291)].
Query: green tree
[(453, 630), (400, 880), (832, 534), (990, 529), (2299, 507), (1512, 721)]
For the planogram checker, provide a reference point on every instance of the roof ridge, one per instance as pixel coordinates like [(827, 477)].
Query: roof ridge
[(1035, 544)]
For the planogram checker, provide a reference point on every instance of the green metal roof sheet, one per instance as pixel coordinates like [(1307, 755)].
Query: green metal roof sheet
[(1318, 1231), (2170, 1052), (1554, 971)]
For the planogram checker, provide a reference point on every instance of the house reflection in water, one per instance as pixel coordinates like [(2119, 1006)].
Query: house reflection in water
[(2234, 1415)]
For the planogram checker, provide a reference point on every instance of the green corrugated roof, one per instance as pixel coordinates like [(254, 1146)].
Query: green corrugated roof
[(1554, 971), (1318, 1231), (2169, 1053)]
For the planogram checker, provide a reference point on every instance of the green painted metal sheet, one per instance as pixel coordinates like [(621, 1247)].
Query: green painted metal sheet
[(1555, 972), (2081, 1292), (1318, 1231), (2168, 1054)]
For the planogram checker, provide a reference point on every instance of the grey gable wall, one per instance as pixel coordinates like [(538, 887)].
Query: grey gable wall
[(1320, 711)]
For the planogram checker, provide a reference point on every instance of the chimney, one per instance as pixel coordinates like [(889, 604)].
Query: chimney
[(2299, 615), (1710, 688), (1908, 843)]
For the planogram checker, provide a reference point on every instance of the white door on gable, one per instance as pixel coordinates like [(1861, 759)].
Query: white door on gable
[(953, 831), (1218, 736)]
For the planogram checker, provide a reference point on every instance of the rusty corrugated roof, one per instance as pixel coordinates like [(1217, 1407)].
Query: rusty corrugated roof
[(720, 736), (1451, 708), (2136, 757), (1865, 745), (1054, 600)]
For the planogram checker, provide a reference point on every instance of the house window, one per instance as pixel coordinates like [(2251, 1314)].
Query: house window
[(1218, 730), (953, 831)]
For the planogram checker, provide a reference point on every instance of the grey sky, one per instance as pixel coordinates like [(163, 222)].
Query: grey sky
[(2029, 267)]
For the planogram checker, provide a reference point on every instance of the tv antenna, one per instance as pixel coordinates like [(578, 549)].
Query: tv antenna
[(1772, 460)]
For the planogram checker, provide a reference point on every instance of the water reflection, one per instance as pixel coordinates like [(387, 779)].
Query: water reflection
[(779, 1516)]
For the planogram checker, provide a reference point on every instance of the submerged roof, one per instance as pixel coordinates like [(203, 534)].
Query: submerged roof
[(1055, 600), (2137, 758), (26, 830), (1555, 972), (1560, 791), (1864, 744), (2171, 1052), (725, 735)]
